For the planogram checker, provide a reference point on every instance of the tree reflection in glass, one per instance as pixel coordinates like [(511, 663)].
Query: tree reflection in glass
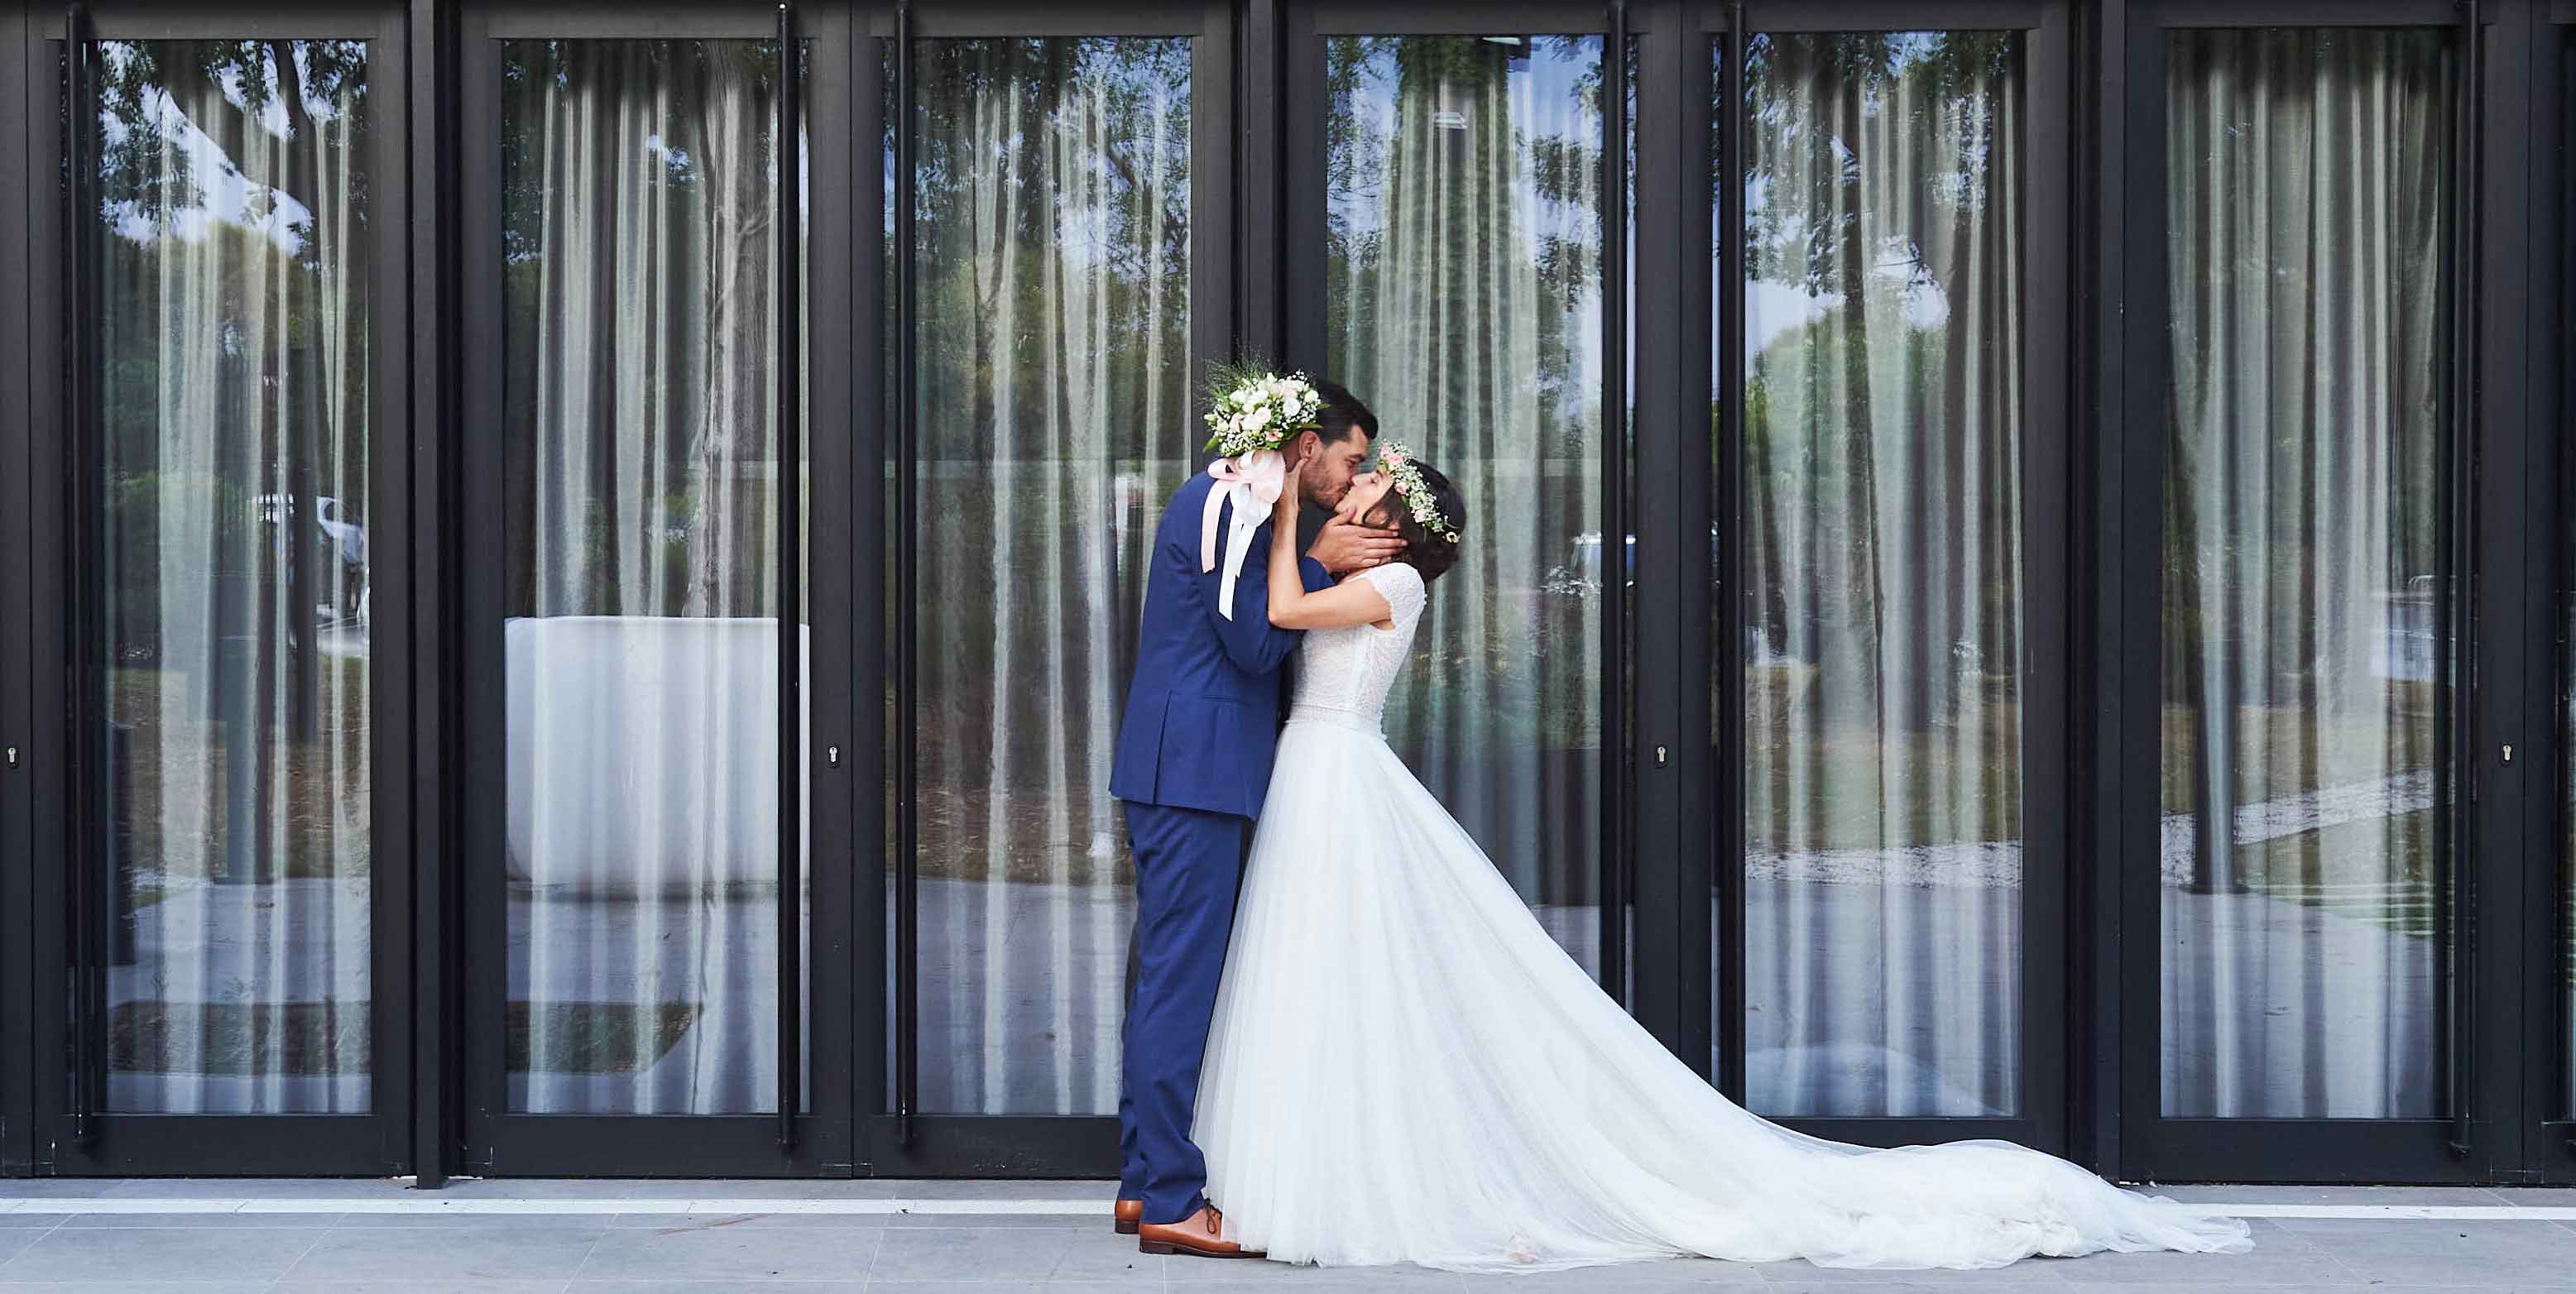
[(1052, 326), (1882, 573), (1463, 303), (2307, 243), (233, 415)]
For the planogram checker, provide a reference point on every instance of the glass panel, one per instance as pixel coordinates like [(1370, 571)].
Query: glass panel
[(1052, 318), (641, 493), (1463, 303), (1883, 574), (232, 317), (2309, 182)]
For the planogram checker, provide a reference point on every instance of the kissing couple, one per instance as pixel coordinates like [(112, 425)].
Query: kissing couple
[(1373, 1053)]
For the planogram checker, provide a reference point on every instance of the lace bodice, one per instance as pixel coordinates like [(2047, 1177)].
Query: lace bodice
[(1343, 674)]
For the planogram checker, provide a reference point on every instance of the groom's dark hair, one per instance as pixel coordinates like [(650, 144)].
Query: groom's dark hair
[(1341, 412)]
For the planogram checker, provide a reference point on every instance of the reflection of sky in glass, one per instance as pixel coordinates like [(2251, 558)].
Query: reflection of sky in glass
[(224, 194), (1089, 236), (1547, 100), (1773, 308)]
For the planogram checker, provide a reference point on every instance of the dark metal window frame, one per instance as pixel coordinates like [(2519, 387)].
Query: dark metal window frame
[(489, 1138), (2491, 809), (903, 1141), (2529, 396), (54, 662), (2050, 314)]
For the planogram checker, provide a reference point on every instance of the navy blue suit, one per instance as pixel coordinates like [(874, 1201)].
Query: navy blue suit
[(1193, 764)]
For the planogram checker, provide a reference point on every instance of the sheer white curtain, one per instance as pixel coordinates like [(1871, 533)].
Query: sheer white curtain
[(1053, 336), (1464, 227), (2308, 219), (642, 650), (233, 410), (1883, 463)]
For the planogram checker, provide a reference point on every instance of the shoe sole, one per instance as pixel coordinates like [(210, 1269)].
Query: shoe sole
[(1124, 1228), (1167, 1247)]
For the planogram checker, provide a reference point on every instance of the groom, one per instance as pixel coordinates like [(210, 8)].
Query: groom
[(1193, 763)]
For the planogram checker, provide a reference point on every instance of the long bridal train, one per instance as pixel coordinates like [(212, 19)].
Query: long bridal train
[(1404, 1067)]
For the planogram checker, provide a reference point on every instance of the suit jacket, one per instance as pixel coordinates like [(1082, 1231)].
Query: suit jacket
[(1202, 720)]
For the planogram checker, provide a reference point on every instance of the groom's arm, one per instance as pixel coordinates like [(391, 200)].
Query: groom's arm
[(1251, 642)]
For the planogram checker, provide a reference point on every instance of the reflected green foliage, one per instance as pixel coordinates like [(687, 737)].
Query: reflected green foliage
[(636, 302), (1052, 327)]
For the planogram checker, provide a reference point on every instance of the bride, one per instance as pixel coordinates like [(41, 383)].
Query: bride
[(1404, 1067)]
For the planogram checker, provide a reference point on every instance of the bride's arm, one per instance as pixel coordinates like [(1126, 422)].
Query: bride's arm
[(1351, 602)]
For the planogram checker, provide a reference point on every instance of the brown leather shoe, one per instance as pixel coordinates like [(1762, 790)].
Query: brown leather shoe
[(1127, 1215), (1200, 1235)]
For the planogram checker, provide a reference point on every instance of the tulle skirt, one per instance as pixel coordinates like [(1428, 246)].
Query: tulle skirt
[(1404, 1067)]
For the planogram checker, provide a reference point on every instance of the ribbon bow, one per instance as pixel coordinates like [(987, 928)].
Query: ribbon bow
[(1253, 481)]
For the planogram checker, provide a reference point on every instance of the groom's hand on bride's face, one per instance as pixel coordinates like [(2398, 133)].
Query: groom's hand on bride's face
[(1345, 546)]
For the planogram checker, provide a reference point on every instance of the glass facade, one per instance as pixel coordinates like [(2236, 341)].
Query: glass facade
[(2118, 673)]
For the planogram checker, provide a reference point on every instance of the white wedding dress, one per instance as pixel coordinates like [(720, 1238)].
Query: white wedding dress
[(1404, 1067)]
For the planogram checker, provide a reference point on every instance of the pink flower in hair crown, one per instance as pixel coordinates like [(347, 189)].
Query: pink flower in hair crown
[(1405, 478)]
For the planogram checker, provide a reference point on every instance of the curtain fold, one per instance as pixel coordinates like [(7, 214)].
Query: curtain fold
[(1463, 288), (233, 411), (1055, 419), (642, 490), (1883, 462), (2309, 227)]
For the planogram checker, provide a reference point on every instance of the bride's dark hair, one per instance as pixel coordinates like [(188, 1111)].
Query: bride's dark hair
[(1430, 554)]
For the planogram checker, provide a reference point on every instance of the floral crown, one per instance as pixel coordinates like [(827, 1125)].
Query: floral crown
[(1405, 477), (1251, 409)]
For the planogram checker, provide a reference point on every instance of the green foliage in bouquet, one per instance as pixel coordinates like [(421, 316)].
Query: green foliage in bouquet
[(1252, 408)]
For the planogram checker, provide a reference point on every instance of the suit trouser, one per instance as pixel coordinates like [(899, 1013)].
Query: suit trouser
[(1188, 864)]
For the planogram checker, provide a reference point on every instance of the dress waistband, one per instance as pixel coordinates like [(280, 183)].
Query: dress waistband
[(1335, 717)]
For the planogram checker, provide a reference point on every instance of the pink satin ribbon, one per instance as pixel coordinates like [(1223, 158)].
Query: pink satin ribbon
[(1254, 482)]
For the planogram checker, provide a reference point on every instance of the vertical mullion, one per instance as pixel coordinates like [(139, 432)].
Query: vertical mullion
[(1216, 177), (832, 846), (480, 551), (1670, 747), (1261, 151), (392, 748), (1728, 266), (2512, 663), (432, 67), (17, 606), (907, 1075), (2047, 311), (785, 227), (866, 583), (2095, 860), (1616, 572), (80, 443), (1302, 341), (2532, 394), (2133, 476)]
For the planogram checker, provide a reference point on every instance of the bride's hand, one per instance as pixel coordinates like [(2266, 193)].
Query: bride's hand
[(1290, 497)]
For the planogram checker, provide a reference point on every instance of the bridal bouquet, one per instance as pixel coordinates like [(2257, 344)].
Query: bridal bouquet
[(1252, 415), (1251, 409)]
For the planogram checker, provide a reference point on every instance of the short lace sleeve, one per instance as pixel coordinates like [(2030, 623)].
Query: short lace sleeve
[(1401, 585)]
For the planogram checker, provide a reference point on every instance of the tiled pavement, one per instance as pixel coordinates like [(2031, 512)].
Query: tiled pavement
[(932, 1237)]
